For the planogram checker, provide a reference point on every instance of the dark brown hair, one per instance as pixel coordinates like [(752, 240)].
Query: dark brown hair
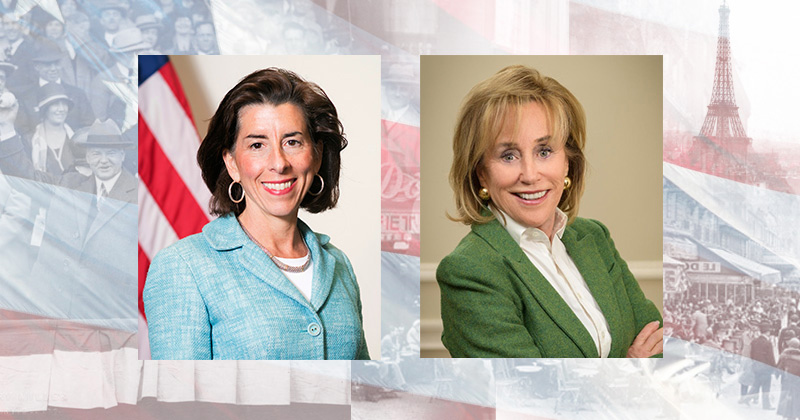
[(273, 86)]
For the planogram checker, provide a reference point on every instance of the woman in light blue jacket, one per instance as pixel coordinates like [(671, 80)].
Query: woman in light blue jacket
[(258, 283)]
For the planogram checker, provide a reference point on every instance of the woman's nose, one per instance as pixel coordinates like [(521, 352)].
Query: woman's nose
[(277, 161), (529, 171)]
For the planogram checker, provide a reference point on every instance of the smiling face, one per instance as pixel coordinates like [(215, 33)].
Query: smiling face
[(524, 170), (105, 162), (56, 113), (274, 158)]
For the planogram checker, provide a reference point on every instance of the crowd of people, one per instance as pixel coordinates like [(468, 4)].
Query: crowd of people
[(68, 153), (70, 67), (765, 330)]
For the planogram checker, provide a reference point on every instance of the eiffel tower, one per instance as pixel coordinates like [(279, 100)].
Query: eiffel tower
[(722, 147)]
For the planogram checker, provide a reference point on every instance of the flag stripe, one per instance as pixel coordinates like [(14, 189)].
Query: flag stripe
[(172, 195), (175, 133), (167, 186), (171, 78)]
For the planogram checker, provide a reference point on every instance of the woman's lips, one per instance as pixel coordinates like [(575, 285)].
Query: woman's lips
[(280, 187)]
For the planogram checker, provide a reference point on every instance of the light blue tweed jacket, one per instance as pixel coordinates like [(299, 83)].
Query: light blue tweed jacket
[(216, 295)]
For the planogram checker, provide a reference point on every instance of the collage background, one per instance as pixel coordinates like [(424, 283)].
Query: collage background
[(684, 32)]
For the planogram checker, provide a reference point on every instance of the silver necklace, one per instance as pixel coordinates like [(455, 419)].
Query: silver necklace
[(280, 264)]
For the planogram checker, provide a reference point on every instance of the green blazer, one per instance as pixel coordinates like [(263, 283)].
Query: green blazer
[(495, 303)]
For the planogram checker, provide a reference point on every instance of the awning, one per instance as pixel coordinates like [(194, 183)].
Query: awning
[(747, 266), (672, 261)]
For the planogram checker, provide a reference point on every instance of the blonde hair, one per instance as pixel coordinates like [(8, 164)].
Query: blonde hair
[(481, 121)]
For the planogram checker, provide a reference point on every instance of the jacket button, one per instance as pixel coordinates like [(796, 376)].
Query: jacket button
[(314, 329)]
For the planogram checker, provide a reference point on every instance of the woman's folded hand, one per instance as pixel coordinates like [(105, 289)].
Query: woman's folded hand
[(649, 342)]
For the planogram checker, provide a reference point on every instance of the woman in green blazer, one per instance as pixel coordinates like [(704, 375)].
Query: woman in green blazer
[(531, 279)]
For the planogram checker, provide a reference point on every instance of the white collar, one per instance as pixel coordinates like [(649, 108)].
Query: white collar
[(43, 82), (517, 230), (109, 183)]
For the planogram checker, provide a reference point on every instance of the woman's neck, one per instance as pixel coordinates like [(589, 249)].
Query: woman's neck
[(280, 235), (54, 135)]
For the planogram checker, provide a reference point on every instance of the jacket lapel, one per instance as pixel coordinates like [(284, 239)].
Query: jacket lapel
[(254, 260), (118, 197), (225, 233), (541, 289), (106, 209), (324, 266), (587, 258)]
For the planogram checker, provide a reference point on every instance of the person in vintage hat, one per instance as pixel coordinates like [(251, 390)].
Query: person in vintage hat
[(105, 152), (111, 17), (51, 145), (85, 265), (48, 64), (47, 24), (53, 29), (151, 30)]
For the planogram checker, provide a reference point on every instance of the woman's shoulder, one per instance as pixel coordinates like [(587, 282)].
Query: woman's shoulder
[(178, 255), (199, 244), (474, 253), (588, 226)]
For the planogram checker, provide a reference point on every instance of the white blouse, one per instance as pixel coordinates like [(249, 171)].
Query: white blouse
[(555, 264), (303, 280)]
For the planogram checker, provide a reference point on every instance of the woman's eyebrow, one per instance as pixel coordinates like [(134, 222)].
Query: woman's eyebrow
[(262, 136), (292, 134), (543, 139)]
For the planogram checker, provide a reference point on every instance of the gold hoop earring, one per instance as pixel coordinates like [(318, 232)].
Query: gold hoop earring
[(567, 182), (484, 194), (230, 193), (321, 187)]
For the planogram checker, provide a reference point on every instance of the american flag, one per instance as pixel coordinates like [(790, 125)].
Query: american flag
[(173, 200)]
